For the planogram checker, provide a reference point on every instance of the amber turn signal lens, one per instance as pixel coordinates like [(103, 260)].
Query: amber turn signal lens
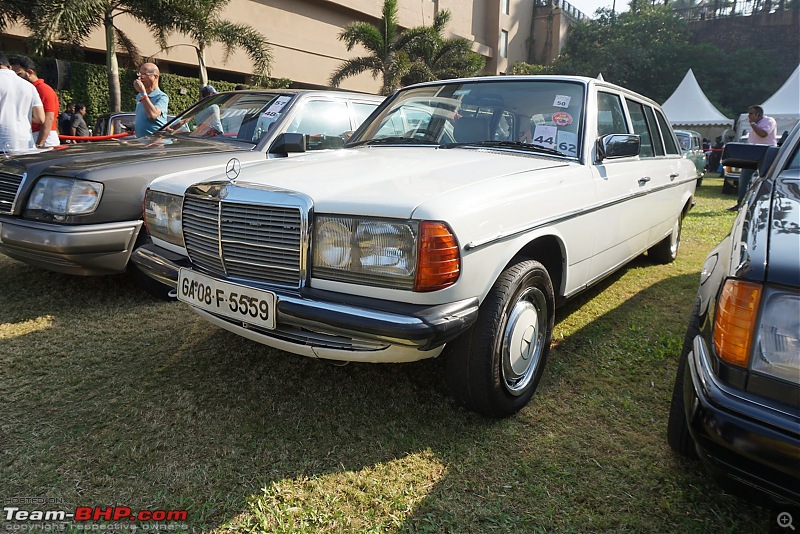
[(734, 324), (438, 260)]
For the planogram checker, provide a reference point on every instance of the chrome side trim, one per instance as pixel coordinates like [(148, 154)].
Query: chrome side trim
[(568, 216)]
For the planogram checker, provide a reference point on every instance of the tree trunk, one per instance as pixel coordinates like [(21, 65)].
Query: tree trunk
[(201, 61), (112, 66)]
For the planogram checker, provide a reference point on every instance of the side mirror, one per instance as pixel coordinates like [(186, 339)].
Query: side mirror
[(617, 146), (287, 143)]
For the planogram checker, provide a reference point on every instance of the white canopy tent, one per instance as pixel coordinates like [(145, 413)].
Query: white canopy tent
[(689, 108), (783, 106)]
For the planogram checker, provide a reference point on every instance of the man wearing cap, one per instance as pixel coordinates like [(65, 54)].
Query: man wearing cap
[(151, 102), (20, 107)]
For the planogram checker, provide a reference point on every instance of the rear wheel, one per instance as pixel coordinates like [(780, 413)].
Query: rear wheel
[(494, 367), (666, 251)]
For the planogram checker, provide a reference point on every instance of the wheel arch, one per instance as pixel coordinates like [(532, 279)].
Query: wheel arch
[(550, 251)]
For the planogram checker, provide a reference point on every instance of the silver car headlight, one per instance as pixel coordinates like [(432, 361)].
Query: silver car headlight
[(65, 196), (162, 216), (777, 343), (398, 254)]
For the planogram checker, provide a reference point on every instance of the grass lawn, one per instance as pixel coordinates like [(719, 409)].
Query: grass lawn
[(111, 398)]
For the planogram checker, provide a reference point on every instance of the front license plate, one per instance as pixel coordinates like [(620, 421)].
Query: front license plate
[(252, 306)]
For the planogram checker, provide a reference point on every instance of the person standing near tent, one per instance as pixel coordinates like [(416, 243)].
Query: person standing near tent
[(762, 132)]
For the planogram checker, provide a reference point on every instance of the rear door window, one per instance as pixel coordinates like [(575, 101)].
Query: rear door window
[(641, 128)]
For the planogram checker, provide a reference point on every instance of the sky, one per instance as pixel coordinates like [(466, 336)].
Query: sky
[(588, 7)]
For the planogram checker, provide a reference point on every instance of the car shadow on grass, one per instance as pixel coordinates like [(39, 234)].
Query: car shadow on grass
[(113, 398)]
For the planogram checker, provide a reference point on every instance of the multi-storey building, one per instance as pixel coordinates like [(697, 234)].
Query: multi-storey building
[(306, 48)]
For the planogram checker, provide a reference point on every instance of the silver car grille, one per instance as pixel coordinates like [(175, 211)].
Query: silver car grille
[(253, 242), (9, 186)]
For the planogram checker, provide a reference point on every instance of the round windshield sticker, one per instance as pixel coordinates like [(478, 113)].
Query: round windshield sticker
[(562, 118)]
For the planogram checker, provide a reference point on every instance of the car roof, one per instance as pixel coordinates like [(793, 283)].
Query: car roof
[(315, 92), (585, 80)]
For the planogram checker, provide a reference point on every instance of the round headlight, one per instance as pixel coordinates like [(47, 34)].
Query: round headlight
[(333, 244)]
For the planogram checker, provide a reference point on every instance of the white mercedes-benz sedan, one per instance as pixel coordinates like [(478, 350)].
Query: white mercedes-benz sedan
[(457, 217)]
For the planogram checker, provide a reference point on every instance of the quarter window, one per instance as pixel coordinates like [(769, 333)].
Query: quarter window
[(666, 134)]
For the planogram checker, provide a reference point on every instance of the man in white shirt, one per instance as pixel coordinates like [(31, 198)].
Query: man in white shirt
[(762, 132), (20, 106)]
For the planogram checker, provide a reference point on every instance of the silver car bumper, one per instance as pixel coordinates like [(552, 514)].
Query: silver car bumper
[(88, 250), (335, 325)]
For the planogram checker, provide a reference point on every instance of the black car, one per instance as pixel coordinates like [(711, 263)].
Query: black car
[(736, 400)]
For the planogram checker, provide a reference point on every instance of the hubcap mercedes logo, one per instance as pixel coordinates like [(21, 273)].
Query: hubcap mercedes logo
[(232, 169)]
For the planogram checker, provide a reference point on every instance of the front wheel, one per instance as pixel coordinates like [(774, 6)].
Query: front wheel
[(666, 251), (494, 367), (155, 288), (678, 436)]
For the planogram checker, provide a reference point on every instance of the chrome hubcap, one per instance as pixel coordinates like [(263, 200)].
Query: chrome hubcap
[(523, 340), (675, 238)]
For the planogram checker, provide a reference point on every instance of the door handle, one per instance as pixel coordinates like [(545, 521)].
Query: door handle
[(643, 180), (673, 176)]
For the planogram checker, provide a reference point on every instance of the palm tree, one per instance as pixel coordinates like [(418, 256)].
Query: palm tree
[(380, 41), (435, 58), (71, 21), (199, 19)]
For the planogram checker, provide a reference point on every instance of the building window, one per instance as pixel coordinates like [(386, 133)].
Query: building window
[(505, 7), (503, 43)]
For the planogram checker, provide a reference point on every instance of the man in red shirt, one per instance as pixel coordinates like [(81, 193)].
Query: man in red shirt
[(45, 134)]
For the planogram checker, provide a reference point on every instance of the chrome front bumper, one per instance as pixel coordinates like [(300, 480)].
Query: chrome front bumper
[(92, 249), (313, 320)]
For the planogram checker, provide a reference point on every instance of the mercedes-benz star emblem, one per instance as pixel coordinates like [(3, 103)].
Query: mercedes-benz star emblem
[(232, 169)]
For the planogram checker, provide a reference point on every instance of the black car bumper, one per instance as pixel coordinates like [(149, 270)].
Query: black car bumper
[(750, 447)]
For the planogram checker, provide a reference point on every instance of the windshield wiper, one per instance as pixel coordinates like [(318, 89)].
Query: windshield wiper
[(395, 140), (508, 144)]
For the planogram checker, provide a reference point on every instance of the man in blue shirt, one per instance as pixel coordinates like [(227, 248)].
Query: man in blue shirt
[(151, 102)]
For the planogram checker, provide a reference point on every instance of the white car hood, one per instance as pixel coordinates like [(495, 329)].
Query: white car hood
[(393, 179)]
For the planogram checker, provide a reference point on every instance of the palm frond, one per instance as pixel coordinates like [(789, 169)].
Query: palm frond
[(126, 45), (364, 34), (233, 36), (354, 67)]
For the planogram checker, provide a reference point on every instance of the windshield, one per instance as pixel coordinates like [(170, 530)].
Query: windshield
[(535, 113), (238, 116)]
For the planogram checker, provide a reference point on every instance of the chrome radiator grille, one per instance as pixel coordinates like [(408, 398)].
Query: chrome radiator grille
[(9, 185), (261, 243)]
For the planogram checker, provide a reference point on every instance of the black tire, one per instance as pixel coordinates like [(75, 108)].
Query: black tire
[(678, 436), (727, 187), (666, 251), (153, 287), (485, 372)]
